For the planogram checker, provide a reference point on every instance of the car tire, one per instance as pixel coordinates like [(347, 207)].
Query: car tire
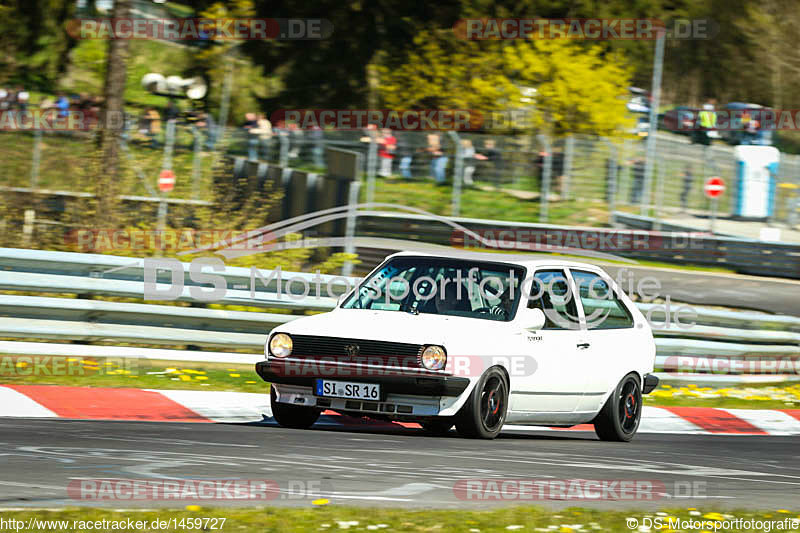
[(619, 418), (292, 416), (484, 413), (439, 426)]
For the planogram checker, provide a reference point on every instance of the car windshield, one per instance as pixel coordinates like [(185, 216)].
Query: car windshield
[(441, 286)]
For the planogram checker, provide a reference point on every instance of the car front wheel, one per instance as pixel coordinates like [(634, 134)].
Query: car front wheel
[(620, 416), (292, 416), (484, 412)]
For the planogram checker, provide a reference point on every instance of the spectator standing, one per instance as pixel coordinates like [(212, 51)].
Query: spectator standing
[(438, 158), (264, 132), (250, 127), (295, 140), (317, 145), (62, 103), (387, 145), (151, 123), (173, 111), (493, 160), (405, 154), (468, 153)]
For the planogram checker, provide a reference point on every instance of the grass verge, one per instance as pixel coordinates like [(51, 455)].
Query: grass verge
[(134, 373)]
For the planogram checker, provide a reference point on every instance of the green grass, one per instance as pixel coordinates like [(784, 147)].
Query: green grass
[(333, 518), (758, 396), (476, 203), (135, 373)]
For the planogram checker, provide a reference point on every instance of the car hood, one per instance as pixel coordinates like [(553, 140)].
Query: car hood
[(397, 326)]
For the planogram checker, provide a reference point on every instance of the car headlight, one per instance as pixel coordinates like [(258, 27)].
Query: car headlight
[(280, 345), (434, 357)]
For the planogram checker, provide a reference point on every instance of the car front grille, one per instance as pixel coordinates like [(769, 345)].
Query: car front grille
[(370, 352)]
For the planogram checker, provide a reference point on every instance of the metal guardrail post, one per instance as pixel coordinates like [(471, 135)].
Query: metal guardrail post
[(546, 171), (569, 150), (458, 174)]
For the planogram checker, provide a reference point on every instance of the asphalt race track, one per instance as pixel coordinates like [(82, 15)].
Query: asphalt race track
[(387, 467), (770, 295)]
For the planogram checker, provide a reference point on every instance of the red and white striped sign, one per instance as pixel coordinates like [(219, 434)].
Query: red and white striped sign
[(714, 187), (166, 180)]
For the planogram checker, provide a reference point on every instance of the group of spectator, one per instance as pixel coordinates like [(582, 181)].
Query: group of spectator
[(398, 147), (288, 138), (14, 99), (18, 99)]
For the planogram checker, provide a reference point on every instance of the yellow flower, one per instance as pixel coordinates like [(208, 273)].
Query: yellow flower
[(320, 501), (235, 375), (193, 508), (201, 377), (184, 377), (251, 381)]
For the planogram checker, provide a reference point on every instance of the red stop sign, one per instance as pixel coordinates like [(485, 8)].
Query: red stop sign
[(714, 187), (166, 180)]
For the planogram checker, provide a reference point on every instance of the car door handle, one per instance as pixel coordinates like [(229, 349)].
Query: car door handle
[(583, 345)]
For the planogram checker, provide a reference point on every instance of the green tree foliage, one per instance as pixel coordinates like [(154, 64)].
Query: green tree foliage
[(578, 88)]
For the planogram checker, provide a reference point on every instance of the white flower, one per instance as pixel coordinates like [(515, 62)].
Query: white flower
[(514, 527), (347, 523)]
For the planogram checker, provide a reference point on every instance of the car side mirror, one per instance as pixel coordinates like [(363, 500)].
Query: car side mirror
[(534, 320)]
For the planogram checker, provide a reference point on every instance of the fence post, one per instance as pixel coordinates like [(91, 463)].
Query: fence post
[(196, 161), (662, 170), (169, 143), (458, 173), (37, 157), (548, 166), (569, 150), (372, 163), (611, 178)]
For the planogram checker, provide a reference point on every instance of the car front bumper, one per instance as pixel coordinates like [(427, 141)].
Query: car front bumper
[(425, 383)]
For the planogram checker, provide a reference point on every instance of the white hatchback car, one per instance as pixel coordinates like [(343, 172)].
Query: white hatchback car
[(471, 340)]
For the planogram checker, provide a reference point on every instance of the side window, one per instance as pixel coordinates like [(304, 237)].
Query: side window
[(603, 309), (551, 293)]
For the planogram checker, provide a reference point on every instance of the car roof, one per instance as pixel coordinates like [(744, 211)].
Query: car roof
[(510, 258)]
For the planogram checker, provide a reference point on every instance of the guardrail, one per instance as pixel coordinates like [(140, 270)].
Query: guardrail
[(737, 337)]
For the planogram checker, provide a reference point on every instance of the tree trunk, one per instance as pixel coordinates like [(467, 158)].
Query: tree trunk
[(112, 122)]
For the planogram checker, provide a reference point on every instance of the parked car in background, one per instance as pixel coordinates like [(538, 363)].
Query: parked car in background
[(751, 117), (680, 120)]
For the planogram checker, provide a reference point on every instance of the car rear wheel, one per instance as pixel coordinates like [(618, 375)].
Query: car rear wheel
[(619, 419), (484, 413), (292, 416)]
